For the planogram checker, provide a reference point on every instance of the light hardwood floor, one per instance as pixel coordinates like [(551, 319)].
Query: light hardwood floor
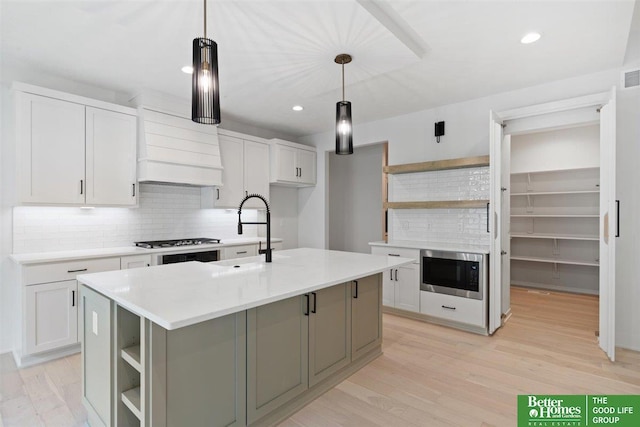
[(428, 375)]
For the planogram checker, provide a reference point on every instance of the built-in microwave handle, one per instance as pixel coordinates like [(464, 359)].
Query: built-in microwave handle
[(448, 308)]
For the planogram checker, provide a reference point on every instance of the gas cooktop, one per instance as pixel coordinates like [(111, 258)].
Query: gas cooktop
[(180, 242)]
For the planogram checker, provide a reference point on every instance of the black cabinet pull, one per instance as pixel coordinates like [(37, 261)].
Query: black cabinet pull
[(391, 274), (448, 308), (394, 254), (488, 218), (315, 298), (617, 218), (356, 294), (81, 186), (241, 252), (133, 193), (73, 298), (396, 274), (217, 194), (306, 296), (300, 172), (76, 271)]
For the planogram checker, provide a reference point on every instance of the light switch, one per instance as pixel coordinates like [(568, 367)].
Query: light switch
[(95, 323)]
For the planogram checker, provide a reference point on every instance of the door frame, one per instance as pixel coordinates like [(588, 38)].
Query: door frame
[(598, 100)]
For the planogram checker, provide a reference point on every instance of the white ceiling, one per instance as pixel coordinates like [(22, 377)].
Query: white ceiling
[(407, 55)]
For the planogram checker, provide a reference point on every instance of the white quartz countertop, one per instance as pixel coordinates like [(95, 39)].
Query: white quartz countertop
[(178, 295), (42, 257), (436, 246)]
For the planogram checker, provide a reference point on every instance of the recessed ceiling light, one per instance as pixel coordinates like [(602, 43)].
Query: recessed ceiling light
[(530, 38), (187, 69), (297, 108)]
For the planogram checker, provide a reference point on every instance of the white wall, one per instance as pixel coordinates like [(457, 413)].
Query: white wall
[(355, 205), (284, 215), (410, 140)]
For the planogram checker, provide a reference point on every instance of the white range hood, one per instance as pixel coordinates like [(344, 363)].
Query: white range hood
[(175, 150)]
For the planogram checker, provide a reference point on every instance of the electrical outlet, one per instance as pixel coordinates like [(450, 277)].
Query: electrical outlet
[(95, 322)]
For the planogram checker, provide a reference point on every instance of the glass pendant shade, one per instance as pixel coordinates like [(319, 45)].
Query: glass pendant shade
[(205, 97), (344, 131)]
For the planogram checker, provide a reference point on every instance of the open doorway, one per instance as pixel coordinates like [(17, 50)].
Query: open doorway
[(355, 199)]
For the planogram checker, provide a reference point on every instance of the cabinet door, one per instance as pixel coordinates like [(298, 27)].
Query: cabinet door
[(366, 316), (407, 289), (389, 288), (95, 335), (50, 137), (307, 167), (51, 316), (329, 331), (277, 355), (135, 261), (232, 190), (256, 172), (286, 163), (111, 158)]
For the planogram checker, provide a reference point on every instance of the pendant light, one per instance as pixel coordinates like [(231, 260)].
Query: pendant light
[(344, 128), (205, 92)]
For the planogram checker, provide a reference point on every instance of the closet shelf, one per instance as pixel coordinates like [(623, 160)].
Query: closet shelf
[(554, 260), (555, 171), (131, 399), (438, 204), (553, 216), (554, 236), (461, 163), (554, 193)]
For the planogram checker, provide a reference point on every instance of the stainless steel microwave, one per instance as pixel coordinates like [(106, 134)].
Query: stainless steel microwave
[(462, 274)]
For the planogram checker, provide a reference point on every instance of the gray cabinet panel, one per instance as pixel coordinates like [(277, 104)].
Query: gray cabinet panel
[(205, 373), (277, 355), (329, 331), (366, 316), (96, 341)]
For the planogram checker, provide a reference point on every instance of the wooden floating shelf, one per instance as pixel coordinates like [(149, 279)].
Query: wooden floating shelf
[(440, 204), (465, 162)]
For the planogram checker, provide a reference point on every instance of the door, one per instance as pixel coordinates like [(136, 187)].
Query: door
[(277, 354), (494, 221), (286, 163), (329, 331), (608, 226), (505, 225), (366, 316), (232, 190), (51, 316), (111, 158), (306, 167), (256, 172), (407, 288), (50, 136), (389, 288)]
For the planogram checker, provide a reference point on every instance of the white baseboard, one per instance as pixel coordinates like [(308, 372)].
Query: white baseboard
[(23, 361)]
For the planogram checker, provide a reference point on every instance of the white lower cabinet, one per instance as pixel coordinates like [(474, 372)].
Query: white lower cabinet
[(450, 307), (401, 286), (242, 251), (52, 316), (134, 261)]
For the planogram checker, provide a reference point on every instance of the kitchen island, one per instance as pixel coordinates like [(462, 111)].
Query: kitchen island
[(238, 342)]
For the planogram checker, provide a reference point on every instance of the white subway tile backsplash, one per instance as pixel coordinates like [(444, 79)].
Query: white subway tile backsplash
[(165, 212), (464, 226)]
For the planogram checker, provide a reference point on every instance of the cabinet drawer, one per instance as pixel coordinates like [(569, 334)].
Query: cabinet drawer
[(68, 270), (401, 252), (464, 310), (240, 251)]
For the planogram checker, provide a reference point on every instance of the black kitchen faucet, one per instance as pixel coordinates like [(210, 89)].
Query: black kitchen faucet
[(267, 223)]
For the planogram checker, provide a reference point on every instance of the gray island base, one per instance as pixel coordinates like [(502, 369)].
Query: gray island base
[(149, 362)]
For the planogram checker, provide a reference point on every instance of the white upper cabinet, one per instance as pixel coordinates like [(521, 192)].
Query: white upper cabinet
[(111, 157), (50, 136), (246, 171), (73, 150), (292, 164)]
